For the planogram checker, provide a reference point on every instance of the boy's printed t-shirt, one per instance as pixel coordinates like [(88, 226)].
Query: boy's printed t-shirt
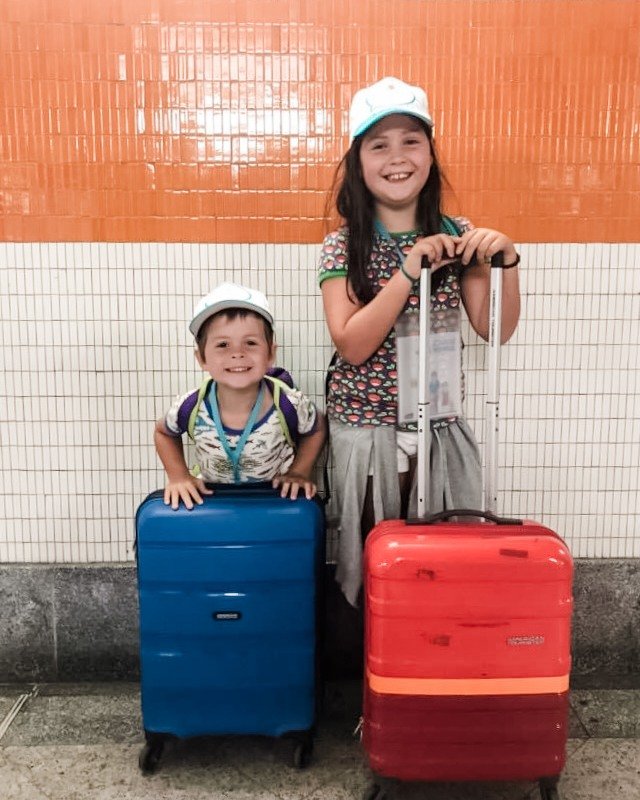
[(266, 452)]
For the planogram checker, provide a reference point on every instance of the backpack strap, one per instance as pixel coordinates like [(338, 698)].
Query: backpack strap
[(195, 404), (287, 415), (283, 374), (185, 410), (325, 466)]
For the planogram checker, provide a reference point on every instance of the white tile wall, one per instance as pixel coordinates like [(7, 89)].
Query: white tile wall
[(94, 345)]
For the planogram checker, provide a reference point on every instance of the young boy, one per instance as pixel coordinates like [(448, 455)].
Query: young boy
[(239, 433)]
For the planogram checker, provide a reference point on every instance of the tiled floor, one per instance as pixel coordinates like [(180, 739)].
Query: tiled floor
[(81, 742)]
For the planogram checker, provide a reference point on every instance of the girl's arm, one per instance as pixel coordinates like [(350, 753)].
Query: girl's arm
[(299, 473), (485, 242), (358, 330), (181, 484)]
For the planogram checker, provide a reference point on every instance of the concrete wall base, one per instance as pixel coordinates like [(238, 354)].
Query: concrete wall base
[(80, 623)]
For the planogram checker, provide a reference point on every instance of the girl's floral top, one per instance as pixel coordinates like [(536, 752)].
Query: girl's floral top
[(365, 394)]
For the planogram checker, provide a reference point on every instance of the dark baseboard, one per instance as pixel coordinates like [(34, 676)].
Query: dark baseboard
[(80, 623)]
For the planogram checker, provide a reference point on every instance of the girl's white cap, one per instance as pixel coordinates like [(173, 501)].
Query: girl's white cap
[(388, 96), (226, 296)]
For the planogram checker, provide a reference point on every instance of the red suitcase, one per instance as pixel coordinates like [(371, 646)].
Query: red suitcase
[(467, 630)]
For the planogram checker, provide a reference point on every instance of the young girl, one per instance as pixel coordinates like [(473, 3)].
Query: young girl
[(239, 432), (390, 197)]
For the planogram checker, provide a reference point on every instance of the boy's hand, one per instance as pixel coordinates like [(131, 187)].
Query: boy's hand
[(187, 489), (292, 482)]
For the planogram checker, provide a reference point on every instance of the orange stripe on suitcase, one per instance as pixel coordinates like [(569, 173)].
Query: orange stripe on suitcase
[(465, 687)]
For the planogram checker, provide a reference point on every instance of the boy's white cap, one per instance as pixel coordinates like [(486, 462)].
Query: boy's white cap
[(388, 96), (229, 295)]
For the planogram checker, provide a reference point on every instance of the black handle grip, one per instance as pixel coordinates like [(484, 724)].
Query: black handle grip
[(257, 489), (463, 512), (497, 262), (248, 488), (455, 263)]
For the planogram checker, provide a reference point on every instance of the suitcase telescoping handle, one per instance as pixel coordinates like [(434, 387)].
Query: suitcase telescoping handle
[(492, 394)]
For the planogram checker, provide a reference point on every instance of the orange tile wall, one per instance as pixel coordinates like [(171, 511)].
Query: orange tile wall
[(207, 121)]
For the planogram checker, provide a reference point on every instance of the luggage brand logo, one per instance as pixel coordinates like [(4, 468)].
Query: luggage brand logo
[(227, 615), (517, 641)]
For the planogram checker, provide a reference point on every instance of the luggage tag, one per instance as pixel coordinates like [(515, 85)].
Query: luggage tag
[(445, 346), (445, 359)]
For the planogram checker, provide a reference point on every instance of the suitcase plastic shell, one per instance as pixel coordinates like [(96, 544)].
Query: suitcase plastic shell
[(228, 598), (467, 651)]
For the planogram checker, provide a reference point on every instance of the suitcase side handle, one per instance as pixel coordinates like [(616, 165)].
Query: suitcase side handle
[(246, 488), (257, 489), (464, 512)]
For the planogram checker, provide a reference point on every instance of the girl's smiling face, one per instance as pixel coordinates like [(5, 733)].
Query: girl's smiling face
[(396, 159)]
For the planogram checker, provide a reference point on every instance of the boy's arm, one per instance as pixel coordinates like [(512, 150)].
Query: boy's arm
[(299, 473), (181, 484)]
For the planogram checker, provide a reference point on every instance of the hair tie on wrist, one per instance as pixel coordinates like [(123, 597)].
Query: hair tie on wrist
[(406, 274), (514, 264)]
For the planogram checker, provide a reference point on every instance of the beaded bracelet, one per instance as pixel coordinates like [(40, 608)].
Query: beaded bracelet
[(406, 274)]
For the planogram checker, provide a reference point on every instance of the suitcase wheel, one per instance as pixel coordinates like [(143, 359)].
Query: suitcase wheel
[(374, 792), (301, 753), (549, 789), (150, 754)]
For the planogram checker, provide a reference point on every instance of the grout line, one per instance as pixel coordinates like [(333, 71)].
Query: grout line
[(15, 710), (573, 705)]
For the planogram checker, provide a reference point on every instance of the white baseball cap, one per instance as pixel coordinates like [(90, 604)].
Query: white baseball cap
[(229, 295), (388, 96)]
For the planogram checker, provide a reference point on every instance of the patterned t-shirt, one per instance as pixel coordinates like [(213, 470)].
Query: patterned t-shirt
[(366, 394), (266, 452)]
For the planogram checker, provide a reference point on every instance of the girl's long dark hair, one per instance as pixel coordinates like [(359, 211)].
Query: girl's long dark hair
[(355, 204)]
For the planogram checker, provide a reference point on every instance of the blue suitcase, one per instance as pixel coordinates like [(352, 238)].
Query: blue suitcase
[(229, 606)]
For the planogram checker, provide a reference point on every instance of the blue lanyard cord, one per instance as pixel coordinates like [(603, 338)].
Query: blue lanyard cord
[(384, 233), (234, 453)]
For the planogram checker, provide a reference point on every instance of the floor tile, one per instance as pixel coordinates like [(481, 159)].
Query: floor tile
[(82, 741), (6, 704), (608, 713), (16, 784), (77, 719), (110, 772), (602, 769)]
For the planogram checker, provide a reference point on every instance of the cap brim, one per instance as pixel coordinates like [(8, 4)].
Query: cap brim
[(198, 321), (364, 126)]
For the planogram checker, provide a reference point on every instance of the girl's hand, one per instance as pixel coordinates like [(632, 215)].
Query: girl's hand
[(188, 490), (437, 248), (292, 482), (484, 242)]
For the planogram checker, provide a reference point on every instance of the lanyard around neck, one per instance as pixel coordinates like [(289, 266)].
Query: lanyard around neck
[(384, 233), (234, 453)]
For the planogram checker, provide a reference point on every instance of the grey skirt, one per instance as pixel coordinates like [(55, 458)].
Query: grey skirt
[(455, 482)]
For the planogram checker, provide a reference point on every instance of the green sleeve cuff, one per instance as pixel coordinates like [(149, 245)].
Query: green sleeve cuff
[(332, 273)]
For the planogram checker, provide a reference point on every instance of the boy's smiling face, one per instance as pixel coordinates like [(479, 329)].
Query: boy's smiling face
[(236, 352)]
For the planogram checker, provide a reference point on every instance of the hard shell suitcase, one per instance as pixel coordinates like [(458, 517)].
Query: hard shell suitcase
[(228, 596), (467, 630)]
